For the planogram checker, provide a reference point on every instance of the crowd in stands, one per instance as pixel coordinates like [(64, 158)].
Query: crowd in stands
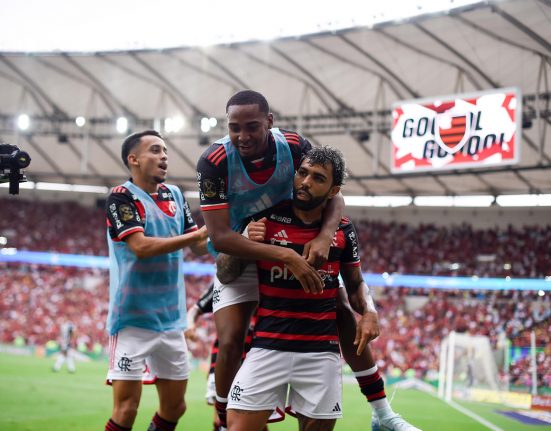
[(63, 227), (35, 300), (455, 250), (68, 227)]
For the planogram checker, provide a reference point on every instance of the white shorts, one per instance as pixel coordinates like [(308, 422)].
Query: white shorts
[(313, 379), (242, 289), (166, 354)]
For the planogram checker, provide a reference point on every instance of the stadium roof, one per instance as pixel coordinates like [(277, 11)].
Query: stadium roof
[(336, 87)]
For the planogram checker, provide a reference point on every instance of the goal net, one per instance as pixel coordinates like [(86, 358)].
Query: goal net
[(467, 362)]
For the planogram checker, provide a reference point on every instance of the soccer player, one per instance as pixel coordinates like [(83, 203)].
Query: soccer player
[(249, 170), (66, 352), (149, 223), (296, 338)]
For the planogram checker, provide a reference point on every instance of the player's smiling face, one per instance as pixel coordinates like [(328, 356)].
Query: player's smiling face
[(151, 158), (313, 184), (248, 129)]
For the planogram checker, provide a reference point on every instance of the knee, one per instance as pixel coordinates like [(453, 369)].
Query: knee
[(180, 409), (229, 352), (125, 412), (172, 411), (231, 342)]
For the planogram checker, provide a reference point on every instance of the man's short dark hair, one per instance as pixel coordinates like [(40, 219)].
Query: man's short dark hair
[(249, 97), (131, 141), (328, 156)]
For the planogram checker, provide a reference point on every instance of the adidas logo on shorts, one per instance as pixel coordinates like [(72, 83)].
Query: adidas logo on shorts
[(337, 408)]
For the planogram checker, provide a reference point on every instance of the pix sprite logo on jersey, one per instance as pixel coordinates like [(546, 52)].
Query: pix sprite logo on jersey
[(470, 130)]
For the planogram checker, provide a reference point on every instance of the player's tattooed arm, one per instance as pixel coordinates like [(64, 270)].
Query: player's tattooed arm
[(228, 268)]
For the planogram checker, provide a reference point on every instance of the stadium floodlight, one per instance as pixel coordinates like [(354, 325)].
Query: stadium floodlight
[(80, 121), (23, 122), (122, 125), (3, 240), (213, 122), (173, 124), (205, 124), (541, 293)]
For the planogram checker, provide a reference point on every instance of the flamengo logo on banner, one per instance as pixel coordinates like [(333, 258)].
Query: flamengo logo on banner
[(460, 130)]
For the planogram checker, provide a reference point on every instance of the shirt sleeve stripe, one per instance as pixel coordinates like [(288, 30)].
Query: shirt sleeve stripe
[(127, 232), (215, 207)]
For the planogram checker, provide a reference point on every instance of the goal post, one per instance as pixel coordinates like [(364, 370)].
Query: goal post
[(466, 362)]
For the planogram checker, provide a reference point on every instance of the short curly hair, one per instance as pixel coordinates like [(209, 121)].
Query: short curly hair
[(327, 155)]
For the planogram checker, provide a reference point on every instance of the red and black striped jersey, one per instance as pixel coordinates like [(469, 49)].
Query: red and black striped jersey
[(126, 214), (290, 319), (212, 169)]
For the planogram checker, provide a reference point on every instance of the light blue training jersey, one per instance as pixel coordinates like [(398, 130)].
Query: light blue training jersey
[(246, 197), (148, 293)]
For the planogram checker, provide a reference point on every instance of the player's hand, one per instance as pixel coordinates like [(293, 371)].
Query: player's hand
[(367, 329), (191, 333), (257, 230), (201, 234), (305, 273), (316, 251)]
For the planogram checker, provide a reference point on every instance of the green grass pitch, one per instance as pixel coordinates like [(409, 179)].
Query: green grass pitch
[(33, 398)]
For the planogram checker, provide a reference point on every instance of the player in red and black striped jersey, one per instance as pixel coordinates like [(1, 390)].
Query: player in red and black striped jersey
[(304, 325), (251, 139), (212, 168), (290, 319)]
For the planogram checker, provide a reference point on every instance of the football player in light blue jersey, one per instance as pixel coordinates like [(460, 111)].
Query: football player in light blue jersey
[(149, 223)]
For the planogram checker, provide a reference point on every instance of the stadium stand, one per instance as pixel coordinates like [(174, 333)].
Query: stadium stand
[(36, 299)]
